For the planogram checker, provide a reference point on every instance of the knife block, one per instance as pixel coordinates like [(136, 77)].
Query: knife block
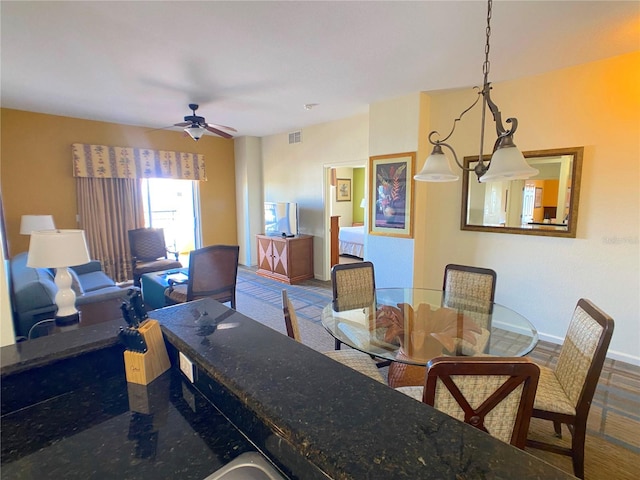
[(144, 368)]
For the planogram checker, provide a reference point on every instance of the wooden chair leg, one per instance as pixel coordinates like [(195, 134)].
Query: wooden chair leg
[(557, 427), (577, 447)]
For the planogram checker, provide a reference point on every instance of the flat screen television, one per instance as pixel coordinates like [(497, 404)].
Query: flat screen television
[(281, 218)]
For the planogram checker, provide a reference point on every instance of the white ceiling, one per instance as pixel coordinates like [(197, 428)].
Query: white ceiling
[(253, 65)]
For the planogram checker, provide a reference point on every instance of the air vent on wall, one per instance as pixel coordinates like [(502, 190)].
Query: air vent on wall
[(295, 137)]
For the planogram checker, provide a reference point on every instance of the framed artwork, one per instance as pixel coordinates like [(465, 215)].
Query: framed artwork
[(538, 198), (343, 190), (391, 189)]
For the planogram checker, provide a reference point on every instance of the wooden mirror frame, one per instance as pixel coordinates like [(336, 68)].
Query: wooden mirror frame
[(540, 229)]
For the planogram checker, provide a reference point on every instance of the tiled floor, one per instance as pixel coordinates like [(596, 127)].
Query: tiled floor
[(615, 411)]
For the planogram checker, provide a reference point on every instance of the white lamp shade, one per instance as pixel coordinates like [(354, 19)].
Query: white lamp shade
[(195, 131), (57, 248), (508, 163), (436, 169), (32, 223)]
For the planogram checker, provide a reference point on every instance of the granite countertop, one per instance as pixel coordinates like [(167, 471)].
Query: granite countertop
[(312, 416), (344, 423), (45, 350)]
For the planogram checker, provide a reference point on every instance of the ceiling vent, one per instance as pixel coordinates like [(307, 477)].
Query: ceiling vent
[(295, 137)]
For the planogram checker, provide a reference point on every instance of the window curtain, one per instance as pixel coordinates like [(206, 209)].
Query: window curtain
[(109, 208), (110, 199), (101, 161)]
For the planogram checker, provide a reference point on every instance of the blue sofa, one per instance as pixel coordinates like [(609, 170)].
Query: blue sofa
[(33, 292)]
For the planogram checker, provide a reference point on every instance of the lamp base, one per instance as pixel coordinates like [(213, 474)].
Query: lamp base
[(68, 322)]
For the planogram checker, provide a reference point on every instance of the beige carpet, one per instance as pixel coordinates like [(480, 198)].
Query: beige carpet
[(604, 460)]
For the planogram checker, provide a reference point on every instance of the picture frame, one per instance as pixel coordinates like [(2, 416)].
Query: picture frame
[(343, 190), (391, 188), (538, 198)]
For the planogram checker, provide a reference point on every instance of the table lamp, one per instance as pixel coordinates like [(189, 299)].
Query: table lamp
[(32, 223), (60, 249)]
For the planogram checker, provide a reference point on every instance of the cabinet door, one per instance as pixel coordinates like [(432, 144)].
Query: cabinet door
[(280, 254), (265, 254)]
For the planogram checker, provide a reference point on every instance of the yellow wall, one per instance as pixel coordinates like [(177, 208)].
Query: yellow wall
[(595, 105), (37, 174)]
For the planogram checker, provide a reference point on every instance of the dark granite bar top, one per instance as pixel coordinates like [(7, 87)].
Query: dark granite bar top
[(45, 350), (314, 417), (346, 424)]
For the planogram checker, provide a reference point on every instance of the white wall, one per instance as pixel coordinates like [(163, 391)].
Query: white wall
[(597, 106), (249, 197), (394, 128), (295, 172)]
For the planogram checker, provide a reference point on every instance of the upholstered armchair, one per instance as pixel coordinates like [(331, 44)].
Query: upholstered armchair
[(213, 272), (149, 253)]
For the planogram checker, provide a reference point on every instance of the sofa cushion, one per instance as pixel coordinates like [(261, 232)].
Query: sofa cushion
[(102, 294), (91, 266), (95, 281), (34, 294)]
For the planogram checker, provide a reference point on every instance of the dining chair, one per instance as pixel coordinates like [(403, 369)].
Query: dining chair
[(353, 287), (471, 288), (466, 287), (354, 359), (213, 272), (149, 252), (493, 394), (473, 285), (565, 392)]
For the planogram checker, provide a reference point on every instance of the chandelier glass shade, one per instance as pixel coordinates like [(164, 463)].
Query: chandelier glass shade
[(507, 162)]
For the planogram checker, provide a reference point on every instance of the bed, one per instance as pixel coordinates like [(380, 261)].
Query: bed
[(351, 241)]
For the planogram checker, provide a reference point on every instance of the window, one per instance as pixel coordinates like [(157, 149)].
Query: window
[(173, 206)]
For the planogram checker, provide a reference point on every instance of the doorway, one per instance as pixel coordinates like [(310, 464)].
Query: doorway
[(352, 211), (173, 206)]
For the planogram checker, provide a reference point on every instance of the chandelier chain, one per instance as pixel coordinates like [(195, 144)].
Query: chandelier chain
[(486, 65)]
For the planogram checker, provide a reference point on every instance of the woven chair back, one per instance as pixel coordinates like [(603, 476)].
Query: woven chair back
[(353, 285), (213, 272), (147, 244), (290, 318), (495, 395)]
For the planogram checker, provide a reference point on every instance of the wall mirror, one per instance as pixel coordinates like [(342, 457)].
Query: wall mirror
[(546, 204)]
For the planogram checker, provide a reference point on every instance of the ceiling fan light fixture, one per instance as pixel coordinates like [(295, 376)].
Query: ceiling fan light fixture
[(195, 131)]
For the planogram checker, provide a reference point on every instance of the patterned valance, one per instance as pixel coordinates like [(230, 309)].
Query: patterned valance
[(101, 161)]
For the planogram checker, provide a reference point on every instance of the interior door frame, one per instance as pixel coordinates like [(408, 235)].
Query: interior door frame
[(326, 202)]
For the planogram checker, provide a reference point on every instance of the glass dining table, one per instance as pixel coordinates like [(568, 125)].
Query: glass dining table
[(410, 326)]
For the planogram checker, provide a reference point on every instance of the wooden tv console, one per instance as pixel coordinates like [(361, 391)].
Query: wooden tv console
[(286, 259)]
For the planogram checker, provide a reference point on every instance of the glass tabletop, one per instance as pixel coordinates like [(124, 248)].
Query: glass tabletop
[(413, 325)]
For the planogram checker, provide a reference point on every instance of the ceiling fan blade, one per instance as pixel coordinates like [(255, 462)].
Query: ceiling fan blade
[(182, 124), (215, 125), (161, 128), (218, 132)]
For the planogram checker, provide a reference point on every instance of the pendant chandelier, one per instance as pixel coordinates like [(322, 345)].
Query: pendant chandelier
[(507, 162)]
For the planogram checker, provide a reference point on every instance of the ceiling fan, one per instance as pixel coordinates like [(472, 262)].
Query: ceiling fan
[(195, 126)]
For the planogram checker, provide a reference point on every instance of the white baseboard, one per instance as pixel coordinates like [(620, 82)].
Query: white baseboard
[(612, 354)]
